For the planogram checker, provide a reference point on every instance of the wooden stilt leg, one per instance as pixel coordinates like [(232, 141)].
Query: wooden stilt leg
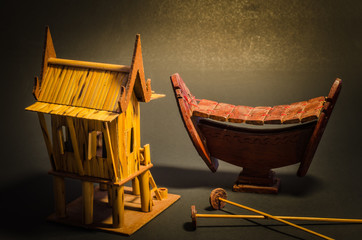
[(118, 206), (59, 196), (144, 180), (105, 187), (88, 195), (136, 186)]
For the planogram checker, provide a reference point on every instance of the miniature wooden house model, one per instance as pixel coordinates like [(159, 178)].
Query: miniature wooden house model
[(95, 131)]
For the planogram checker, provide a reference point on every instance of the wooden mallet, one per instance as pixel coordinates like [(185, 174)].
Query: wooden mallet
[(218, 200)]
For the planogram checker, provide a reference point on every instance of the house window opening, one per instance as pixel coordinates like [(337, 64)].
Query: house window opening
[(131, 145), (65, 140), (101, 146)]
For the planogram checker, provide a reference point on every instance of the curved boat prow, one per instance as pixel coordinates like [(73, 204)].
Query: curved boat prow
[(319, 129), (186, 103)]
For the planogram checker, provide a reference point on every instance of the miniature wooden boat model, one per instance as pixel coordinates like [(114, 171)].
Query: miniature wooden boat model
[(256, 150)]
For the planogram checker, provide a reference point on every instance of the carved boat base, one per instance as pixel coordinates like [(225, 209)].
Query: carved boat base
[(238, 187)]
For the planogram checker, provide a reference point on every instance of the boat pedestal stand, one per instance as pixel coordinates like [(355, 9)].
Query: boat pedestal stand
[(257, 181)]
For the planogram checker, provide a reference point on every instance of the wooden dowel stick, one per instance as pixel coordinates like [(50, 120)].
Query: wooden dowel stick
[(85, 64), (87, 201), (110, 156), (144, 181), (342, 220), (117, 206), (74, 140), (48, 143), (59, 196), (136, 186), (275, 218), (147, 154)]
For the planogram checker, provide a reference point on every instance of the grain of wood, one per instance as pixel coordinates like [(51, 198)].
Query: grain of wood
[(313, 109), (257, 115), (222, 111), (75, 146), (110, 156), (86, 98), (85, 64), (294, 112), (204, 108), (276, 114), (48, 74)]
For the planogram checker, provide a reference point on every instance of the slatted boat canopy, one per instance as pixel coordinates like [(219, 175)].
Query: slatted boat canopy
[(299, 112), (256, 150)]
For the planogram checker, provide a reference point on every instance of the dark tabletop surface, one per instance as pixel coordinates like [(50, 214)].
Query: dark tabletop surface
[(241, 52)]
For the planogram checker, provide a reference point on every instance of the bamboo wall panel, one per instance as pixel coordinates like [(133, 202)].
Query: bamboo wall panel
[(113, 127), (135, 140), (137, 132), (77, 159), (127, 122)]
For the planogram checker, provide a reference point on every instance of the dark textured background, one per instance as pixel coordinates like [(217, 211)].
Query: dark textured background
[(240, 52)]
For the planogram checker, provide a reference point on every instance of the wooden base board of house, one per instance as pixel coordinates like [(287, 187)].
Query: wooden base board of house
[(134, 218)]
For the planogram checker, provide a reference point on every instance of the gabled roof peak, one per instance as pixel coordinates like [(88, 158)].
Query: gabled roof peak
[(85, 85)]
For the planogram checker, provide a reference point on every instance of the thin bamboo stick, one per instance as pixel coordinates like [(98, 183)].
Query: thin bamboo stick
[(112, 93), (113, 128), (110, 155), (74, 140), (85, 64), (58, 162), (342, 220), (44, 83), (117, 206), (144, 180), (103, 90), (48, 83), (135, 186), (275, 218), (101, 180), (72, 86), (59, 196), (61, 86), (79, 90), (87, 200), (147, 154), (48, 143), (92, 144), (92, 80), (95, 94), (61, 140)]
